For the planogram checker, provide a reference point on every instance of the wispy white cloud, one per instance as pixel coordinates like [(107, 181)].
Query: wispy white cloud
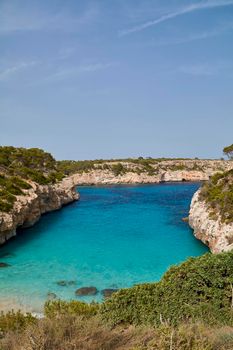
[(185, 10), (75, 71), (8, 72), (16, 16), (65, 53), (192, 37), (206, 69)]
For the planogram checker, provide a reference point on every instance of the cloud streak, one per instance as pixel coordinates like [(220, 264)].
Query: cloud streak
[(8, 72), (75, 71), (185, 10), (17, 17), (192, 37), (206, 69)]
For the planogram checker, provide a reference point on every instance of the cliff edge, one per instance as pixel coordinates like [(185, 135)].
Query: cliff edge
[(211, 213), (35, 201)]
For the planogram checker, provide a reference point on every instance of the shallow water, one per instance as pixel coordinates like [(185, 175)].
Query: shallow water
[(114, 237)]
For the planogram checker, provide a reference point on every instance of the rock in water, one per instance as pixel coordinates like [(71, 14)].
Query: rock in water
[(51, 296), (66, 283), (185, 219), (108, 292), (2, 264), (86, 291)]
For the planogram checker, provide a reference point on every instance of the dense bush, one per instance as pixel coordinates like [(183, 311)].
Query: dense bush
[(118, 169), (218, 193), (14, 321), (60, 307), (198, 289), (70, 166)]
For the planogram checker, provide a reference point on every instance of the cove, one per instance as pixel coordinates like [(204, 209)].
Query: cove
[(113, 237)]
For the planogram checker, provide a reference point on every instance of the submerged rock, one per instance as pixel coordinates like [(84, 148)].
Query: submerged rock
[(185, 219), (51, 296), (2, 264), (86, 291), (6, 255), (107, 293), (63, 283)]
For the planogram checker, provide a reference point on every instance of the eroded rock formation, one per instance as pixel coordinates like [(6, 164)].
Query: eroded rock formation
[(217, 235), (36, 201)]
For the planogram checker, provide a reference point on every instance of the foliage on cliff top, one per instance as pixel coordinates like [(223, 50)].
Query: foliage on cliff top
[(17, 165), (29, 163), (137, 165), (200, 289), (228, 151), (218, 193)]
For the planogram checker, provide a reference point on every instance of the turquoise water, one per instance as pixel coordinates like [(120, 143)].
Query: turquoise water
[(114, 236)]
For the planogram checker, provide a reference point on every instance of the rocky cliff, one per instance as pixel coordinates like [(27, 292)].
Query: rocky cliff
[(36, 201), (211, 230), (163, 171)]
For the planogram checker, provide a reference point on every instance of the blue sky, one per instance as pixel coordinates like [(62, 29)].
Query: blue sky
[(107, 79)]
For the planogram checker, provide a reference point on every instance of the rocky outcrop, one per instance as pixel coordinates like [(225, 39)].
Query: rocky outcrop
[(163, 171), (218, 236), (86, 291), (36, 201)]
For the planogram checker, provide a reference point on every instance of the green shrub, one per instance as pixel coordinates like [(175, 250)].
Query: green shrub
[(198, 289), (20, 183), (5, 207), (60, 307), (118, 169), (12, 321)]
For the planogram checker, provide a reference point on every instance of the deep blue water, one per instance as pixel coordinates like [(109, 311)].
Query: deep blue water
[(114, 236)]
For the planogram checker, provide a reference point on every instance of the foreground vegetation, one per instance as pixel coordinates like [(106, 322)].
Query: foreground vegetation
[(80, 333), (190, 308)]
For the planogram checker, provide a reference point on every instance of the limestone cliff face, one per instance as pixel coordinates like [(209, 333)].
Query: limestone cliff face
[(164, 171), (37, 201), (105, 177), (216, 235)]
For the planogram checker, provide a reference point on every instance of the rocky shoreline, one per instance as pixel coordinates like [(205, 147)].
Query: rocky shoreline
[(38, 200), (163, 171), (218, 236)]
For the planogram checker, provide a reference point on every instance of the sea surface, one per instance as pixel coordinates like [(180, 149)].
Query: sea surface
[(114, 237)]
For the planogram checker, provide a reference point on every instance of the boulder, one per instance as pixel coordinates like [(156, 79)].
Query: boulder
[(2, 264), (108, 292), (86, 291), (51, 296), (63, 283)]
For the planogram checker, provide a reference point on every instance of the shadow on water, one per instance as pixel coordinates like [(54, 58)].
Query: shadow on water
[(26, 235)]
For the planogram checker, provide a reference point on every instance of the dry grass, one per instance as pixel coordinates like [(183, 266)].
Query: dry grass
[(76, 333)]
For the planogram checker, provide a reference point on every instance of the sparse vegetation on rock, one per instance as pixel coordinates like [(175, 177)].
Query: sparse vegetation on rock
[(218, 194)]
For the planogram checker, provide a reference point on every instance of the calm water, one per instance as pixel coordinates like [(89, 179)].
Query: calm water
[(113, 237)]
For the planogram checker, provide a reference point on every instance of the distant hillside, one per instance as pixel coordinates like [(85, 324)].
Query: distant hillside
[(19, 167), (150, 166)]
